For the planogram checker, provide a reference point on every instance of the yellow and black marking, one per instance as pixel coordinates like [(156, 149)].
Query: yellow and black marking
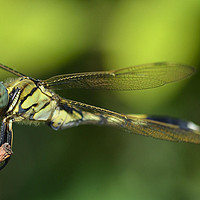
[(28, 99)]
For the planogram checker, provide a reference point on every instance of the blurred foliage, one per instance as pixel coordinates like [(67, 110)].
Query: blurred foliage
[(48, 37)]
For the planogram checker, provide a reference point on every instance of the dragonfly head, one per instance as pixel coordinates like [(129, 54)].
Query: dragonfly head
[(3, 96)]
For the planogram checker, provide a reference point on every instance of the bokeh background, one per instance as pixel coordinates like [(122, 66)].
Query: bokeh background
[(48, 37)]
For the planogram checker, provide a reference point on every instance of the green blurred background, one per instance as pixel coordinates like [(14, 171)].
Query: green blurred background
[(46, 38)]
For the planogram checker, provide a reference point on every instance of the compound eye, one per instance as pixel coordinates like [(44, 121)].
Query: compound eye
[(3, 96)]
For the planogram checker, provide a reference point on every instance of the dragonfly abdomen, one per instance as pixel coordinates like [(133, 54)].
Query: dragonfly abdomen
[(66, 116)]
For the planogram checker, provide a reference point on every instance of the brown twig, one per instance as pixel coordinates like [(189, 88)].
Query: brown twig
[(5, 151)]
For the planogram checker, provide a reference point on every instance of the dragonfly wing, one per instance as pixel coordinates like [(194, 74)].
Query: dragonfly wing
[(131, 78), (158, 127)]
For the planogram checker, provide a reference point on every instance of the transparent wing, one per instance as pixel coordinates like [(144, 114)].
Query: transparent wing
[(131, 78), (158, 127)]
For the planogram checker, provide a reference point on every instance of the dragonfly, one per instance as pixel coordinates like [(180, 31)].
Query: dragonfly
[(28, 99)]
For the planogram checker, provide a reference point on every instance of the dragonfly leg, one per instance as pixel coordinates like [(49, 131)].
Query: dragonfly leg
[(5, 142)]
